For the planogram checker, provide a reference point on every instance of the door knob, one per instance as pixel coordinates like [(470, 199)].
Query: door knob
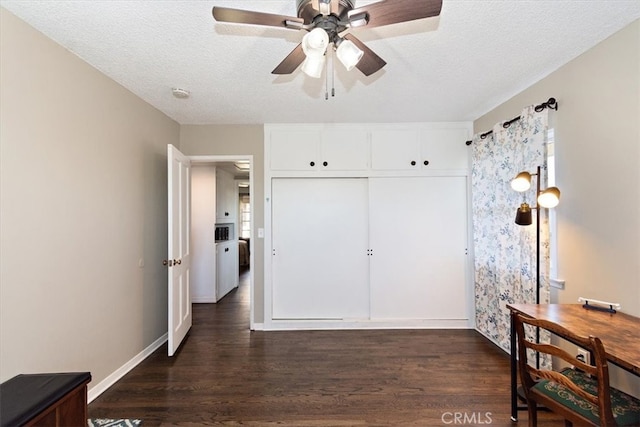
[(177, 261), (167, 262)]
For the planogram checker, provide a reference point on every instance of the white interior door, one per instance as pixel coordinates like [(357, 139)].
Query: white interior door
[(320, 259), (179, 260), (419, 240)]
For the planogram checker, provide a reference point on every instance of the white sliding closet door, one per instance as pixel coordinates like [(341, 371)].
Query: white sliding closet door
[(419, 240), (319, 257)]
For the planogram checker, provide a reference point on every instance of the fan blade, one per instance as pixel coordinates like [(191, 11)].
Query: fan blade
[(238, 16), (387, 12), (335, 7), (370, 62), (291, 62)]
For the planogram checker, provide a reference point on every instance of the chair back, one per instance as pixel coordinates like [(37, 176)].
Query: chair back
[(598, 371)]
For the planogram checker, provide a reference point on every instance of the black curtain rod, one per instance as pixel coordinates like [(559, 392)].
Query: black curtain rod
[(551, 103)]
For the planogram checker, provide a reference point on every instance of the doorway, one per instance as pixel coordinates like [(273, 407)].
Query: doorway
[(240, 168)]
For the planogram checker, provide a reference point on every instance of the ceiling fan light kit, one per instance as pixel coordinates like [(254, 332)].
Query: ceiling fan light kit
[(328, 21), (349, 54), (313, 66), (315, 42)]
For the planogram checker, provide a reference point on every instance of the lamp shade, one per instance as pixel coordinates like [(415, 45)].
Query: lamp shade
[(522, 182), (523, 215), (349, 54), (549, 198), (313, 66), (314, 46), (315, 42)]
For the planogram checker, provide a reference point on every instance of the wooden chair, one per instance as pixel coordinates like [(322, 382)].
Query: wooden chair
[(581, 394)]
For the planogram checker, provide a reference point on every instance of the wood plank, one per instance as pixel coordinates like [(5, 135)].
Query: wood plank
[(225, 374), (618, 332)]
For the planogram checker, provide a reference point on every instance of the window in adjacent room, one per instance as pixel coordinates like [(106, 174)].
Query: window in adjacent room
[(245, 216)]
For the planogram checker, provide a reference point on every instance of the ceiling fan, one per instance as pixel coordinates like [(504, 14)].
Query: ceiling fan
[(327, 22)]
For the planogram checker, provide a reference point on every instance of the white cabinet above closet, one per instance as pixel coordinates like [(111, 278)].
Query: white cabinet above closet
[(362, 150), (319, 149), (415, 148), (395, 149)]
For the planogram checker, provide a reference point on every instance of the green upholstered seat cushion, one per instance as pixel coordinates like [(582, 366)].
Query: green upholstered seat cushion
[(626, 408)]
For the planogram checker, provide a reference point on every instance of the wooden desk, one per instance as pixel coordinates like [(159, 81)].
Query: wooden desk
[(619, 332)]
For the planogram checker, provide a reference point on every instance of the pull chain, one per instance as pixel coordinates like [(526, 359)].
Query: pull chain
[(333, 75), (329, 71), (326, 77)]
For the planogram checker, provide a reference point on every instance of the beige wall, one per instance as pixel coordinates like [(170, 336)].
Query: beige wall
[(598, 168), (82, 201), (205, 140)]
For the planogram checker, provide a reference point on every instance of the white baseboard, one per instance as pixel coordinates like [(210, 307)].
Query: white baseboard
[(337, 324), (103, 385), (203, 300), (257, 326)]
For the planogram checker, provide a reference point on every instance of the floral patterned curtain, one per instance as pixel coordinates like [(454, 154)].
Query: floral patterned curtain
[(505, 253)]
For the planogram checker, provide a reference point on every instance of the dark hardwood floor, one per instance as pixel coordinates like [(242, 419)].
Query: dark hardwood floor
[(225, 374)]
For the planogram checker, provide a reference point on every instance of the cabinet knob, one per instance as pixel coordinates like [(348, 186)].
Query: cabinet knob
[(312, 163), (426, 162), (413, 162), (325, 164), (226, 249), (226, 214)]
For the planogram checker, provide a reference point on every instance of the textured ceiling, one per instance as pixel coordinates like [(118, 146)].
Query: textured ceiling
[(455, 67)]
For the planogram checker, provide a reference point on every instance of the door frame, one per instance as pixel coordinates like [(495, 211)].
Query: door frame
[(213, 159)]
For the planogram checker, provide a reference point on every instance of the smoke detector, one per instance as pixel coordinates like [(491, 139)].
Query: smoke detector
[(180, 93)]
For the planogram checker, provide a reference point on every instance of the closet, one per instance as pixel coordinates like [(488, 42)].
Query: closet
[(368, 226)]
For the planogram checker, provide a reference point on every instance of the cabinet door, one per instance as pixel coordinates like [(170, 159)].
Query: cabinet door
[(418, 237), (320, 240), (226, 205), (444, 149), (395, 149), (295, 149), (344, 149), (226, 268)]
